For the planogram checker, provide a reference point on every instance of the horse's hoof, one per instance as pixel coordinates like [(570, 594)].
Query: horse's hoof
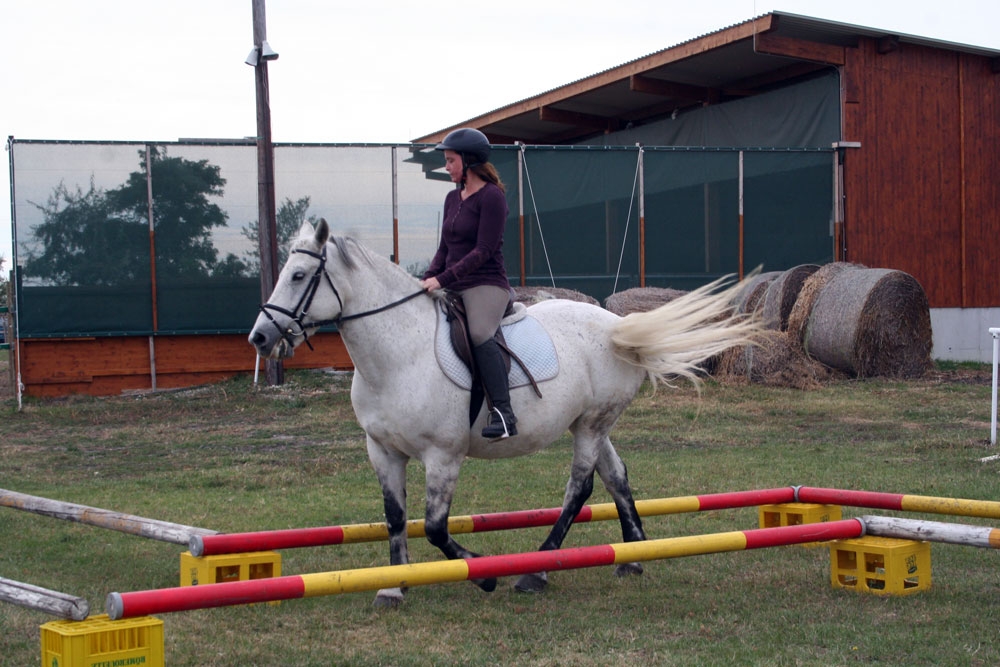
[(628, 569), (488, 585), (388, 598), (532, 583)]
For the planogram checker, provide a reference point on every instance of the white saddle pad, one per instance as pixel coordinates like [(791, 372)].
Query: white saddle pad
[(525, 337)]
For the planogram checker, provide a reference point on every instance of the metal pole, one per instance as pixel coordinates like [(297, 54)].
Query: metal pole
[(267, 233), (395, 209), (520, 208), (152, 265), (741, 218), (995, 332), (642, 218)]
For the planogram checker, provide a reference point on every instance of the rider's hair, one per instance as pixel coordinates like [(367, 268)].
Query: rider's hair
[(488, 173)]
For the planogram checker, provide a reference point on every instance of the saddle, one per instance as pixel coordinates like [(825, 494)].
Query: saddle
[(458, 326)]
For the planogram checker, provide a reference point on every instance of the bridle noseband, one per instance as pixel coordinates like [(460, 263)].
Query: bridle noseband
[(301, 311)]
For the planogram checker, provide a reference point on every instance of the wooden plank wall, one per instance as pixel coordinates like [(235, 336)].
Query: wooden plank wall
[(921, 193), (980, 84), (108, 366)]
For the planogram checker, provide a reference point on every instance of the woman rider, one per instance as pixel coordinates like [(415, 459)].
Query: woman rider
[(469, 261)]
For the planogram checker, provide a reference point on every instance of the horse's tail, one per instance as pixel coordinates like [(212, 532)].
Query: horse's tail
[(675, 339)]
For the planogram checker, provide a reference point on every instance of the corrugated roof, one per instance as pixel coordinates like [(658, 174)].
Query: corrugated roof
[(707, 69)]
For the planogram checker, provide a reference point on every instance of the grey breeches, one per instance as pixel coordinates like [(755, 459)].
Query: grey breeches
[(484, 307)]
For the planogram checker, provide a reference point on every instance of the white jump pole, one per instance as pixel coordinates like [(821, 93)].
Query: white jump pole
[(932, 531), (94, 516), (43, 599)]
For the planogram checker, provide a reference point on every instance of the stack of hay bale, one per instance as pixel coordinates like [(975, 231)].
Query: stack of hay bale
[(840, 319), (529, 295)]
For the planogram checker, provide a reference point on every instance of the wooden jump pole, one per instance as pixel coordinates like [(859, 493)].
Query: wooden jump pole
[(932, 531), (43, 599), (125, 523), (185, 598), (211, 545)]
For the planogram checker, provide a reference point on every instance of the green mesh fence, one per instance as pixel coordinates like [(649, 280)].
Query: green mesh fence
[(118, 238)]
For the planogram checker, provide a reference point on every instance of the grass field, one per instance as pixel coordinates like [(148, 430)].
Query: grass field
[(233, 458)]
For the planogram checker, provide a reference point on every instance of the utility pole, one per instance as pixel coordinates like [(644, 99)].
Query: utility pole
[(267, 233)]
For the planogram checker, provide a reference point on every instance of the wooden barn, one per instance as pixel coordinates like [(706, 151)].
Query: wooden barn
[(916, 122), (912, 127)]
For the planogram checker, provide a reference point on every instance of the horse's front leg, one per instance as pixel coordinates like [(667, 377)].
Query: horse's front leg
[(390, 467), (442, 477)]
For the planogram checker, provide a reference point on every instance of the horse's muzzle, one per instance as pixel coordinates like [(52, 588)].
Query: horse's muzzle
[(270, 346)]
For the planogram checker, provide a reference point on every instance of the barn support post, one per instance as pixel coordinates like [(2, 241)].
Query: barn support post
[(839, 198), (267, 233)]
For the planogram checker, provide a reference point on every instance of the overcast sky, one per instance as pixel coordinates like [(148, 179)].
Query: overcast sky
[(371, 71)]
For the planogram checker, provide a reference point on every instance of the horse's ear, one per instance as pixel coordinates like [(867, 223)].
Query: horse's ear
[(306, 230), (322, 232)]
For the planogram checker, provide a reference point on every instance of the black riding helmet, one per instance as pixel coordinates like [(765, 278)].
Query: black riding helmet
[(468, 142)]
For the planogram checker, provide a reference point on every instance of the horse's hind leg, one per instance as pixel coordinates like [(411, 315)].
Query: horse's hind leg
[(578, 490), (614, 474), (390, 467), (592, 451)]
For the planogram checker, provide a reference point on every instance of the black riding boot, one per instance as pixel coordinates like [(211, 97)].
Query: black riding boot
[(492, 369)]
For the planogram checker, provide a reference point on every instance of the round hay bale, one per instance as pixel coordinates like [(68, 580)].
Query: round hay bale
[(870, 323), (798, 317), (753, 292), (530, 294), (777, 361), (782, 293), (640, 299)]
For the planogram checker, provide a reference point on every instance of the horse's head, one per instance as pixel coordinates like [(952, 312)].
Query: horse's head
[(304, 298)]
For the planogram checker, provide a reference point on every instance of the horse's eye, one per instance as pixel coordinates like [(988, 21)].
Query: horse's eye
[(298, 275)]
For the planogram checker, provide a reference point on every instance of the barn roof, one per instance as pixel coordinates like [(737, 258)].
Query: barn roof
[(741, 60)]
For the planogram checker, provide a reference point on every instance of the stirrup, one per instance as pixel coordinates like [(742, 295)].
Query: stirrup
[(498, 427)]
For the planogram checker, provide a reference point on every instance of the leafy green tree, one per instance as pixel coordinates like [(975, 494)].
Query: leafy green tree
[(289, 218), (183, 214), (98, 237), (85, 242), (4, 282)]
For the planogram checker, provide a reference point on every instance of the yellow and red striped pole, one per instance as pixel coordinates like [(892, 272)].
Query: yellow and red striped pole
[(987, 509), (141, 603), (211, 545)]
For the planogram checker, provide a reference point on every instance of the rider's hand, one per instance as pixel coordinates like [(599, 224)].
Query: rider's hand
[(430, 284)]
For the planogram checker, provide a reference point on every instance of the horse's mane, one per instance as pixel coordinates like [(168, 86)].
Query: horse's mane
[(350, 249)]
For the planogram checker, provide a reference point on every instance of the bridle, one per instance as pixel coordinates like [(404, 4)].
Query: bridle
[(299, 314)]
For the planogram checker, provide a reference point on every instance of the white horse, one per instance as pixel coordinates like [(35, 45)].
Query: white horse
[(409, 409)]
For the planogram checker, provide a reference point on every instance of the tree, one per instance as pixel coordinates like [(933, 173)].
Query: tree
[(85, 242), (184, 217), (98, 237), (289, 217)]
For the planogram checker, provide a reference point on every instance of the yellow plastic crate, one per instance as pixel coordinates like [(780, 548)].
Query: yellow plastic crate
[(98, 641), (796, 514), (224, 568), (881, 565)]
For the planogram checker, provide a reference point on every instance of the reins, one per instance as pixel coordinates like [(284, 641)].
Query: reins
[(302, 308)]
